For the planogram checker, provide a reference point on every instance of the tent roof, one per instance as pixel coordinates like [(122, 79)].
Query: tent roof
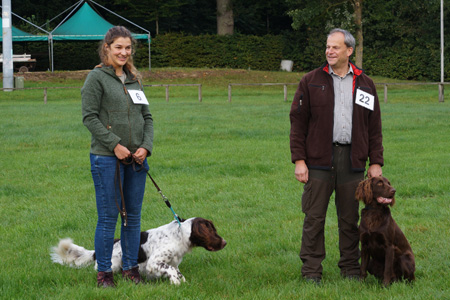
[(85, 24), (22, 36)]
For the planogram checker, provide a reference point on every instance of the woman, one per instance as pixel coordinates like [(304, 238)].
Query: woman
[(122, 130)]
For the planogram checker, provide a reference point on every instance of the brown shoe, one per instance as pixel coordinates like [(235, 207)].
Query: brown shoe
[(132, 274), (105, 279)]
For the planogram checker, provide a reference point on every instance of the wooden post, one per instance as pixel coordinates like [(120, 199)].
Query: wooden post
[(285, 92), (385, 93), (45, 95), (229, 92), (199, 93), (167, 93), (441, 92)]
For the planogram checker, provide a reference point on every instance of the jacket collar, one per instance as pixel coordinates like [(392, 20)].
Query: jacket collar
[(110, 70), (357, 71)]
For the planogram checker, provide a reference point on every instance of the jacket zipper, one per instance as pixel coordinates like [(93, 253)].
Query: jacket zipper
[(128, 105), (300, 102)]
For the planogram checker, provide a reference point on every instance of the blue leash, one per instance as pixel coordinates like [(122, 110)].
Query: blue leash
[(165, 199), (133, 159)]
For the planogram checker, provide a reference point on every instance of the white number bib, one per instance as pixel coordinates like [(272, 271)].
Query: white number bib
[(365, 99), (138, 97)]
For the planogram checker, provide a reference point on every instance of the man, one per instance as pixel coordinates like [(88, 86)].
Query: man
[(335, 128)]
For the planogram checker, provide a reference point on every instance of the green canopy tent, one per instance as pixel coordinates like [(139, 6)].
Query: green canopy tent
[(22, 36), (86, 24)]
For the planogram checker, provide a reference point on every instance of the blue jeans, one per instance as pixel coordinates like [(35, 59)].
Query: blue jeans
[(103, 170)]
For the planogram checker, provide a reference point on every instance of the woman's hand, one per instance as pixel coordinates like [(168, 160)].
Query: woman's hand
[(121, 152), (140, 155)]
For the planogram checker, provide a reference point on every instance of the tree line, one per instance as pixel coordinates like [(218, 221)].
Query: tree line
[(395, 38)]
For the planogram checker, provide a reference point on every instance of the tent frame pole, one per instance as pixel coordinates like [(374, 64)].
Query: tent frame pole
[(148, 32), (50, 36), (68, 15)]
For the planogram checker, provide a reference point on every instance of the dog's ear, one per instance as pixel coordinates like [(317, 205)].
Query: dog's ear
[(393, 202), (364, 191)]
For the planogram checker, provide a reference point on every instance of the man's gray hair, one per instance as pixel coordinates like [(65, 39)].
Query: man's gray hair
[(349, 40)]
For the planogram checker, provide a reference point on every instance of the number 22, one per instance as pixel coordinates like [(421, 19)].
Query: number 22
[(362, 99)]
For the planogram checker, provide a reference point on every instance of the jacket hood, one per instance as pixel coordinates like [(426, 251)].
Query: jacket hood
[(110, 71)]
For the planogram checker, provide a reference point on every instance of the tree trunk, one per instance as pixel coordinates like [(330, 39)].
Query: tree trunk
[(359, 34), (157, 26), (225, 21)]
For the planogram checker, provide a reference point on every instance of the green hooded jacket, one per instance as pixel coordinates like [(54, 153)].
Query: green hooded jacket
[(110, 114)]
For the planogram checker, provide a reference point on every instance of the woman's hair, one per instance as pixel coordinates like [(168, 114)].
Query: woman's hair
[(112, 34)]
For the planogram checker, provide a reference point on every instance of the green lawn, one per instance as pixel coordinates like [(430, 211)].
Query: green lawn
[(228, 162)]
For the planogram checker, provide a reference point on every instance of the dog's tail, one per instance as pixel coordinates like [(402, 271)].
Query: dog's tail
[(67, 253)]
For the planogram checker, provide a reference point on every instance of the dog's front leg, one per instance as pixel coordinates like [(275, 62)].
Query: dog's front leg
[(161, 269), (389, 265), (364, 257)]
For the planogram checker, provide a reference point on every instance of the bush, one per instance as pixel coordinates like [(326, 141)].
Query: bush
[(403, 60), (169, 50), (213, 51)]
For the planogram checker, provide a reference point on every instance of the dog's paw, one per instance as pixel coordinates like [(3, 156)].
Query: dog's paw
[(175, 280)]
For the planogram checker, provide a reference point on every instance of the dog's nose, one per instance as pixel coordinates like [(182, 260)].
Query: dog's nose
[(393, 191)]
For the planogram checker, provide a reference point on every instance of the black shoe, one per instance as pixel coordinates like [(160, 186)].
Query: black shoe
[(315, 280)]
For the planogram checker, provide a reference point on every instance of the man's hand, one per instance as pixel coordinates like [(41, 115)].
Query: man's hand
[(301, 171), (374, 171)]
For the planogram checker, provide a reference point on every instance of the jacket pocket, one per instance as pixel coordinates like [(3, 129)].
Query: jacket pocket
[(317, 94), (366, 89), (119, 124)]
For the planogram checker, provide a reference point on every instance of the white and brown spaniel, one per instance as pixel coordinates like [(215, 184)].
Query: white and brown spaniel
[(162, 249)]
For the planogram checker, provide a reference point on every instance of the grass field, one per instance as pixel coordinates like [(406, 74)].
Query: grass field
[(228, 162)]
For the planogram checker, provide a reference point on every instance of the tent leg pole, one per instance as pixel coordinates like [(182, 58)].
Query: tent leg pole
[(53, 65), (149, 55)]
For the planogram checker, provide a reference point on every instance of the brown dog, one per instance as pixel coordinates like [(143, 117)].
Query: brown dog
[(385, 251)]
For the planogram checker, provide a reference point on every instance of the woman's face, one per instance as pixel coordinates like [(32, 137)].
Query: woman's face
[(119, 52)]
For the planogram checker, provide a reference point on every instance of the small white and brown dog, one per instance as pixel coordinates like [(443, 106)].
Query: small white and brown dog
[(161, 251)]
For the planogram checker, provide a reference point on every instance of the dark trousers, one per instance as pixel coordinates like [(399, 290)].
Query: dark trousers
[(315, 199)]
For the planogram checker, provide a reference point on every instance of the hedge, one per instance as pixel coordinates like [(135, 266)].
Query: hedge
[(169, 50), (404, 60), (213, 51)]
